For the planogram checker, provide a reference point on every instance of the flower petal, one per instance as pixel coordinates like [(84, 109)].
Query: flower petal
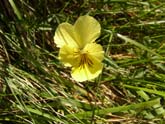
[(88, 29), (68, 56), (65, 35), (95, 50), (87, 72)]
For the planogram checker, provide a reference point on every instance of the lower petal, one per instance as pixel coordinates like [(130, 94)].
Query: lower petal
[(86, 72)]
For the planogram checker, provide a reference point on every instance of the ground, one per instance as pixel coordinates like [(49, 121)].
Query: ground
[(36, 88)]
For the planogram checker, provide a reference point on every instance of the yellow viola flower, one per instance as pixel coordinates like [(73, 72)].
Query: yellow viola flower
[(78, 49)]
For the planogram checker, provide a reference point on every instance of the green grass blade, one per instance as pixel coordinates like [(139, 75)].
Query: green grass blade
[(141, 105), (137, 44), (16, 11), (161, 93)]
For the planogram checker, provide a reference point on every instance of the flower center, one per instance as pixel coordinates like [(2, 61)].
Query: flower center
[(85, 60)]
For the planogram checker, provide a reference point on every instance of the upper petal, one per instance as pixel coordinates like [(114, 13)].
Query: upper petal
[(86, 72), (88, 29), (65, 34)]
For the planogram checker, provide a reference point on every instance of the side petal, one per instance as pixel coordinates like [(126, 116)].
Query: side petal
[(87, 72), (88, 29), (65, 34), (95, 50), (68, 56)]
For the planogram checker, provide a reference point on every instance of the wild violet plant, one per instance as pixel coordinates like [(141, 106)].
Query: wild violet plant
[(78, 48)]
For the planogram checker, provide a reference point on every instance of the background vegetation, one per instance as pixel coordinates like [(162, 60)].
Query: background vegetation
[(35, 88)]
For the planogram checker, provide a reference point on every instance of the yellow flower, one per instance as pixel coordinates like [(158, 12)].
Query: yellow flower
[(78, 48)]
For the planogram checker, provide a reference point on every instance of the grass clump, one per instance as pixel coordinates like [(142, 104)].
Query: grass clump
[(35, 88)]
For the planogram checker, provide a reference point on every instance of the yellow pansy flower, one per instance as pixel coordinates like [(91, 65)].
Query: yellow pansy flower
[(78, 48)]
